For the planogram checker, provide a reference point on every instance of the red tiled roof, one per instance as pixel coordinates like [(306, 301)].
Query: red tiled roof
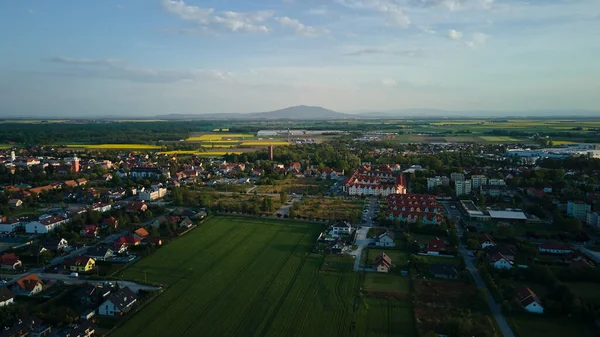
[(29, 282), (436, 245)]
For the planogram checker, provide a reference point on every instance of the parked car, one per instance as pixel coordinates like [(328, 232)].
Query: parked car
[(74, 275)]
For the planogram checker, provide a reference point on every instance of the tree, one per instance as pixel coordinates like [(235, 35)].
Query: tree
[(283, 197)]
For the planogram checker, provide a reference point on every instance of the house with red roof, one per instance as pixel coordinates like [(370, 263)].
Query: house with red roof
[(485, 241), (128, 240), (10, 261), (110, 222), (383, 263), (141, 233), (28, 285), (435, 246), (89, 231), (529, 300)]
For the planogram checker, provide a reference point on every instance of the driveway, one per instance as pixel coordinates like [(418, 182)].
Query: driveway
[(361, 239), (494, 307)]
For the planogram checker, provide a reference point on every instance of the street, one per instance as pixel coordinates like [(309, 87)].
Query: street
[(73, 280), (494, 307), (361, 239)]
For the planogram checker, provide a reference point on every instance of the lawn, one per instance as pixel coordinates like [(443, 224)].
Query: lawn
[(332, 209), (525, 325), (588, 291), (380, 282), (422, 238), (499, 139), (429, 259), (386, 317), (237, 276), (115, 146), (399, 257)]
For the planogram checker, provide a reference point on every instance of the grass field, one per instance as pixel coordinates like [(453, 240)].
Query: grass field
[(499, 139), (238, 276), (263, 143), (541, 325), (333, 209), (219, 136), (198, 153), (588, 291), (563, 142), (5, 146), (386, 283), (115, 146)]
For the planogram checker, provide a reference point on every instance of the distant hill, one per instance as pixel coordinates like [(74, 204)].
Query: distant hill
[(302, 112), (295, 112)]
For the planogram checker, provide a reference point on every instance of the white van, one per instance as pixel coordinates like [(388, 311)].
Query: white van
[(74, 275)]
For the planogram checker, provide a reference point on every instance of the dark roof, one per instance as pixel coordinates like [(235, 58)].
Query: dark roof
[(383, 258), (122, 298), (443, 269), (146, 169), (342, 224), (5, 294), (97, 251), (79, 329), (86, 290), (505, 250), (22, 327)]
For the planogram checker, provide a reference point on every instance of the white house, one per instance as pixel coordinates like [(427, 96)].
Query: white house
[(45, 225), (485, 241), (342, 228), (386, 240), (529, 300), (151, 195), (499, 261), (100, 207), (6, 297), (118, 303), (9, 226)]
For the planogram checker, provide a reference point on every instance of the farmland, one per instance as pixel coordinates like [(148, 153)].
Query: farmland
[(219, 137), (256, 277), (115, 146), (333, 209)]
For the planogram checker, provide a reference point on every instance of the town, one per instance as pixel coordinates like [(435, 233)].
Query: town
[(502, 237)]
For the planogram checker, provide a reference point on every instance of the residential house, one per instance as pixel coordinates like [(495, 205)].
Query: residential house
[(508, 251), (71, 183), (9, 226), (45, 225), (110, 222), (81, 181), (156, 241), (141, 233), (107, 177), (82, 264), (386, 239), (100, 207), (128, 240), (55, 244), (89, 231), (86, 328), (435, 246), (152, 194), (443, 270), (186, 223), (89, 294), (118, 303), (499, 261), (342, 228), (148, 172), (28, 285), (10, 261), (485, 241), (100, 253), (529, 300), (336, 246), (383, 263), (26, 326), (6, 297), (137, 206), (14, 203), (554, 248)]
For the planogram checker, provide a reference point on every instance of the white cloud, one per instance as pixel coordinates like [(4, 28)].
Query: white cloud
[(454, 35), (321, 10), (390, 8), (478, 40), (380, 51), (300, 28), (116, 69), (207, 18), (388, 82)]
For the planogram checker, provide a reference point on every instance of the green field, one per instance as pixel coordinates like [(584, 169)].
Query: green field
[(525, 325), (238, 276), (499, 139), (386, 283), (114, 146)]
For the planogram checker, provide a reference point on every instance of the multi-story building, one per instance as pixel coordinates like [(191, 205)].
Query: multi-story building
[(433, 182), (151, 195), (413, 207), (497, 182), (593, 220), (478, 180), (578, 210), (45, 225), (378, 181), (463, 187), (457, 176)]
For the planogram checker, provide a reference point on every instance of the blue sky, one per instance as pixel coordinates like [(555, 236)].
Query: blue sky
[(148, 57)]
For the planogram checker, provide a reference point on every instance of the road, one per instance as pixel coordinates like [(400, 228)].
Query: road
[(361, 239), (72, 280), (590, 253), (494, 307), (285, 208)]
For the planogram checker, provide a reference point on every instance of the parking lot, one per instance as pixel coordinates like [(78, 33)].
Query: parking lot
[(452, 209)]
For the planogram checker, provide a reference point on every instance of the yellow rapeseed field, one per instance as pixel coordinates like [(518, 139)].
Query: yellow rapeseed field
[(115, 146), (219, 136)]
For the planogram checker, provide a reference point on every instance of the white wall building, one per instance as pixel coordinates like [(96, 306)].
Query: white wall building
[(463, 187), (45, 225), (578, 210), (151, 195), (478, 180)]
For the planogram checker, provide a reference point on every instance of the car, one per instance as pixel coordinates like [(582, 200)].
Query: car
[(74, 275)]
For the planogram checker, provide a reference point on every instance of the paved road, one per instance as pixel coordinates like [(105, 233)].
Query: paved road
[(361, 239), (590, 253), (285, 208), (494, 307), (71, 280)]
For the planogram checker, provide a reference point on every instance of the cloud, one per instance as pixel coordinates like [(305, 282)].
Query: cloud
[(116, 69), (379, 51), (454, 35), (300, 28), (478, 40), (389, 8), (388, 82), (251, 22), (321, 10), (455, 5)]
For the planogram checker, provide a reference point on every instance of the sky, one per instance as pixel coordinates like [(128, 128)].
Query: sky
[(149, 57)]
